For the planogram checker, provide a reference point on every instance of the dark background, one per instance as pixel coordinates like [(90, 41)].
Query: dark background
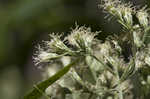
[(25, 23)]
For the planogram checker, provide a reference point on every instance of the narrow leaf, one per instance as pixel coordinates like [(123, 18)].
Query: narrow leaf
[(41, 87)]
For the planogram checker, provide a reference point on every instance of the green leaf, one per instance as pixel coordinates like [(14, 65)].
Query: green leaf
[(40, 88)]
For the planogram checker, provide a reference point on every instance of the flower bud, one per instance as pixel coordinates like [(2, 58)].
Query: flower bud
[(138, 42), (44, 56), (147, 60), (56, 45), (127, 15), (81, 37), (112, 7), (142, 17)]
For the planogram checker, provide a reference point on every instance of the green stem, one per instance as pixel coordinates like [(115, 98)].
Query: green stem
[(103, 64), (120, 94)]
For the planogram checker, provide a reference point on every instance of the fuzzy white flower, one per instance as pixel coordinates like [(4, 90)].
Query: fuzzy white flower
[(127, 15), (138, 64), (81, 37), (56, 45), (139, 61), (44, 56), (142, 16), (105, 48), (137, 39), (112, 7), (117, 47), (147, 60), (65, 60)]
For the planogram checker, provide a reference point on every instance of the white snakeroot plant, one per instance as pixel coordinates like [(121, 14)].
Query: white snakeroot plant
[(118, 68)]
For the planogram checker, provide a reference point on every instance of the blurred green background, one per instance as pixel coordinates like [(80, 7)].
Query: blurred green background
[(25, 23)]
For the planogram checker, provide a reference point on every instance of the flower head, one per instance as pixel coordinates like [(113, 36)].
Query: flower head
[(123, 12), (56, 45), (127, 14), (44, 56), (147, 60), (105, 49), (81, 37), (111, 7), (55, 48), (137, 40), (142, 16)]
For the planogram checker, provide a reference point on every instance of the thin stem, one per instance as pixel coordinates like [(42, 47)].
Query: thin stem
[(120, 94), (119, 89), (103, 64), (118, 81)]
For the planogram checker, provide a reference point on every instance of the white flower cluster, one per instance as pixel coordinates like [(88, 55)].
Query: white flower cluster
[(102, 70), (122, 11), (124, 14), (80, 37), (143, 17)]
